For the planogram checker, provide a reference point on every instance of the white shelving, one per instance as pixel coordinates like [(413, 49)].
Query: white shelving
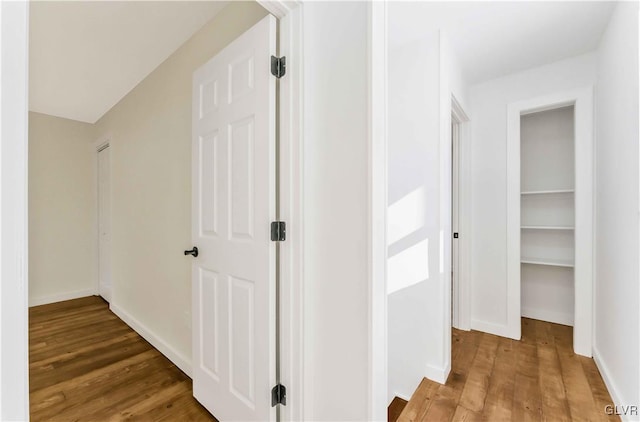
[(547, 192), (547, 215), (547, 227), (546, 261)]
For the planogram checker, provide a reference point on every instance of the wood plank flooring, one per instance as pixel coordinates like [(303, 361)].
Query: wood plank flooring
[(395, 408), (498, 379), (88, 365)]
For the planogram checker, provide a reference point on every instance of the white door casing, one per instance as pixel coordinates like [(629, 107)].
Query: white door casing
[(461, 182), (233, 203), (455, 271), (14, 218), (104, 221), (582, 99)]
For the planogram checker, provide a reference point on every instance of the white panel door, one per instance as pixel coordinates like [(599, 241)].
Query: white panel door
[(104, 222), (233, 276)]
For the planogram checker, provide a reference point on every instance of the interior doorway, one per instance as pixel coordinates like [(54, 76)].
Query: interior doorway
[(104, 221), (460, 302), (454, 220), (550, 215)]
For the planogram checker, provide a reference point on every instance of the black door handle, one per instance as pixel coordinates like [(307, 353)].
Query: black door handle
[(193, 252)]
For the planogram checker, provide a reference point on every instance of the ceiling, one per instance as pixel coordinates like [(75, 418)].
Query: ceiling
[(86, 55), (493, 39)]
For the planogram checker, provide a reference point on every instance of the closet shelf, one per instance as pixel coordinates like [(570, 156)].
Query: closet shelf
[(547, 227), (547, 261), (547, 192)]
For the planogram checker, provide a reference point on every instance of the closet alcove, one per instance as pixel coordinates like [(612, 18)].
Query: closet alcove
[(550, 213)]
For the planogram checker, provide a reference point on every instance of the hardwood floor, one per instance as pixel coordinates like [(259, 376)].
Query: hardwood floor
[(498, 379), (88, 365), (395, 409)]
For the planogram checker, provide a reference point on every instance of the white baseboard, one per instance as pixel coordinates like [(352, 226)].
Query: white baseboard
[(491, 328), (549, 316), (608, 381), (437, 374), (400, 396), (462, 327), (105, 292), (177, 358), (405, 392), (45, 300)]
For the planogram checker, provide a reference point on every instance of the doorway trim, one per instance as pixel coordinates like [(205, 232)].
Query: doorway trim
[(582, 99), (377, 216), (97, 146), (14, 217), (462, 280), (291, 159)]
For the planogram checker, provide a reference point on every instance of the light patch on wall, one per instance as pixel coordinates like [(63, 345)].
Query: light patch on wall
[(409, 267), (406, 215)]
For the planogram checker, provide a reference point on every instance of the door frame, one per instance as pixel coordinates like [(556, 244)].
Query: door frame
[(377, 218), (461, 315), (289, 15), (582, 99), (14, 217), (98, 145)]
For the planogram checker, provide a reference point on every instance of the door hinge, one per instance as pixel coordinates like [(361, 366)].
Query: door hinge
[(278, 66), (279, 395), (278, 231)]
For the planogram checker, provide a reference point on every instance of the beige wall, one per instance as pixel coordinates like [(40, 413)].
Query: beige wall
[(62, 237), (150, 132)]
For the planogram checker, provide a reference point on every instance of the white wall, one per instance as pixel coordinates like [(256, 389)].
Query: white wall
[(423, 75), (488, 101), (414, 327), (150, 133), (62, 210), (14, 360), (617, 316), (336, 273)]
